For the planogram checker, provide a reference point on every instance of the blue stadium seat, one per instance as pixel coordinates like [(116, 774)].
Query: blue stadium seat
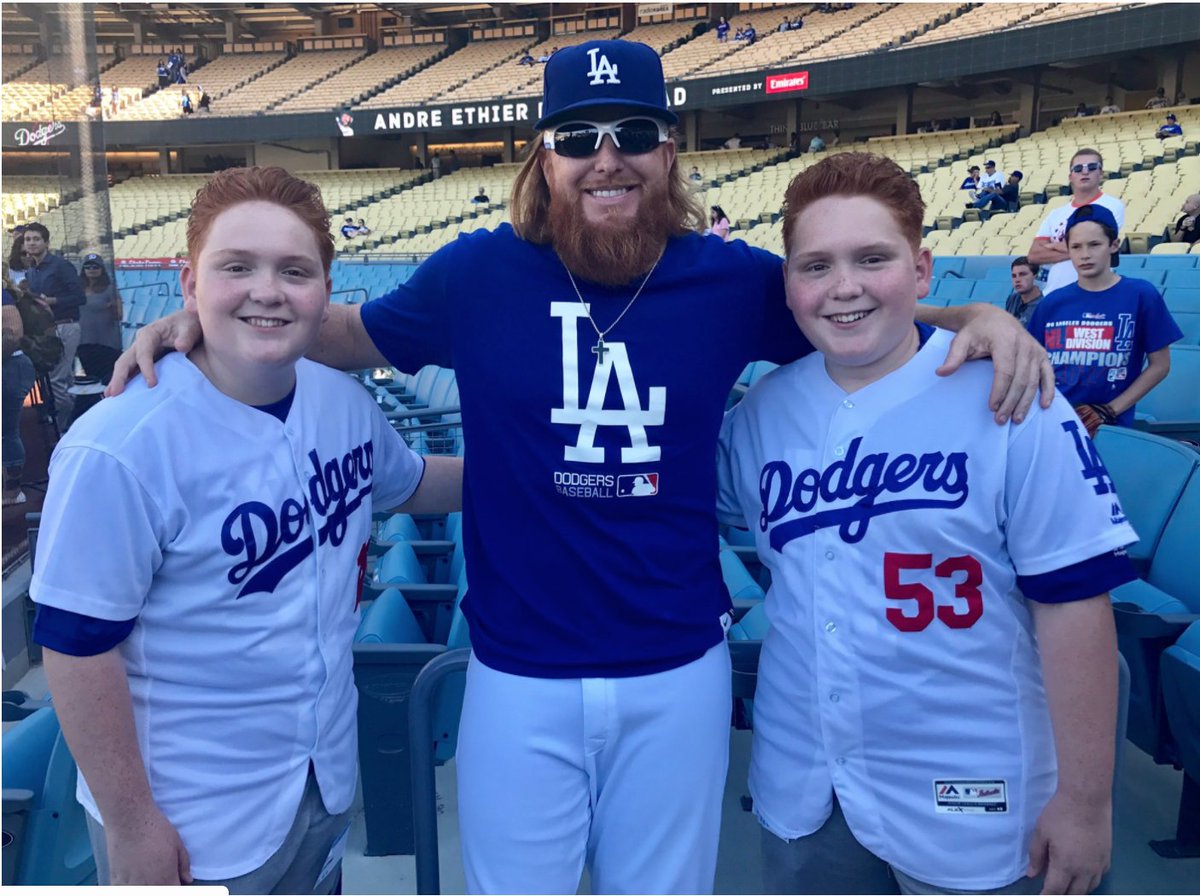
[(45, 829), (1181, 699), (389, 620), (741, 585), (1169, 262), (1189, 322), (944, 264), (952, 289), (399, 566), (1182, 298), (1173, 406), (1150, 473), (994, 291), (1002, 273), (1152, 276), (1189, 279), (1132, 263)]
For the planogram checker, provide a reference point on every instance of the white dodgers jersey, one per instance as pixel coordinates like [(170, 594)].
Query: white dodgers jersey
[(901, 669)]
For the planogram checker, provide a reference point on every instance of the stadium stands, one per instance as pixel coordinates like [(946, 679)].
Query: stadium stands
[(221, 76), (362, 79), (283, 82), (983, 19), (453, 70)]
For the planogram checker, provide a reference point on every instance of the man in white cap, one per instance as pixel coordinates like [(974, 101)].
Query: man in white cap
[(595, 341)]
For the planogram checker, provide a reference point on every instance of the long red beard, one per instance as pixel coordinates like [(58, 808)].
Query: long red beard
[(613, 252)]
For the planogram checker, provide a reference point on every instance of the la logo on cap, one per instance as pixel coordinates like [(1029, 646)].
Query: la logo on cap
[(601, 69)]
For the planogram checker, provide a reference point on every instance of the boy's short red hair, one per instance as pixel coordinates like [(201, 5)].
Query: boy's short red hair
[(857, 174), (236, 185)]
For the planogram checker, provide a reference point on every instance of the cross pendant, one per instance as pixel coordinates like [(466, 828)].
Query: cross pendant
[(600, 349)]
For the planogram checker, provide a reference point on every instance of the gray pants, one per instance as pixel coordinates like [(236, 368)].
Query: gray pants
[(62, 375), (832, 861), (294, 866)]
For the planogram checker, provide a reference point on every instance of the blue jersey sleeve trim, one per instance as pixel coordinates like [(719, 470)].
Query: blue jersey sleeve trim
[(1079, 581), (77, 635)]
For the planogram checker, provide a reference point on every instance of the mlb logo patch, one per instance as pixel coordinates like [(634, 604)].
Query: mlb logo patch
[(970, 797), (638, 485)]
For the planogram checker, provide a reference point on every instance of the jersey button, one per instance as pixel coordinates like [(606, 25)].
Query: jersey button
[(841, 760), (831, 627), (839, 451), (829, 555), (834, 697), (847, 404)]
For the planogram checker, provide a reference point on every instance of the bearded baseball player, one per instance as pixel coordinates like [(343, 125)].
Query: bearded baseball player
[(199, 562), (936, 701), (595, 342)]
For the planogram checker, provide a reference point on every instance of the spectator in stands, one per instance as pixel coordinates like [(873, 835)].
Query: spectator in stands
[(205, 101), (172, 628), (55, 281), (785, 25), (1081, 111), (739, 34), (1006, 198), (722, 30), (363, 229), (1169, 129), (718, 222), (652, 403), (993, 178), (750, 34), (1181, 96), (1109, 107), (816, 144), (695, 174), (1049, 248), (734, 142), (349, 228), (837, 137), (114, 99), (971, 181), (1186, 229), (797, 23), (18, 256), (526, 59), (544, 58), (185, 103), (453, 163), (994, 120), (794, 144), (18, 379), (480, 198), (1026, 293), (100, 313), (435, 165), (1159, 100), (164, 78), (1100, 329)]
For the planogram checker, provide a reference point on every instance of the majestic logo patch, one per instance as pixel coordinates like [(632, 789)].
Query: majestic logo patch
[(970, 797), (257, 533), (942, 478)]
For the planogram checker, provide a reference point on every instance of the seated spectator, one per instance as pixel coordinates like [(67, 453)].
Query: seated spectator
[(1109, 107), (794, 143), (718, 223), (1026, 294), (816, 144), (992, 177), (1081, 111), (1170, 129), (1126, 321), (971, 181), (734, 142), (1159, 100), (739, 35), (1185, 229), (750, 34), (164, 79), (526, 59), (205, 101), (544, 58), (995, 120), (837, 137), (1003, 198), (349, 229), (695, 175), (363, 229), (797, 23), (785, 25), (722, 30), (480, 198)]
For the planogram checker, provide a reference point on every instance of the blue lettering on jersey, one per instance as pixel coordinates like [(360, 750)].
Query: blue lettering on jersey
[(875, 475), (1092, 468), (256, 533)]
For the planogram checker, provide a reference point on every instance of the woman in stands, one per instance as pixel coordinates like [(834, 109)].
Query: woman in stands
[(100, 314), (719, 223)]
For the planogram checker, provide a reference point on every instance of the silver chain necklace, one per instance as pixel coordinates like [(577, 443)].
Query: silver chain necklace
[(599, 349)]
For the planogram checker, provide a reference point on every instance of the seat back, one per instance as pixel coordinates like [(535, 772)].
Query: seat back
[(1150, 473), (1173, 568), (1177, 398)]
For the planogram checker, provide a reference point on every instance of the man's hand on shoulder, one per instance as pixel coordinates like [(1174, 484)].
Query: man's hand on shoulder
[(176, 332)]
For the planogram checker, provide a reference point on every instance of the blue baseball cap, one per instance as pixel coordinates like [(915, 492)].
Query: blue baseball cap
[(1095, 213), (604, 79)]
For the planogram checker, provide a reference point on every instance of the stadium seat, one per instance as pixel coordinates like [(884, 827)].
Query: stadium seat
[(1152, 613), (1181, 699), (1182, 298), (1189, 278), (993, 291), (45, 829), (1189, 323), (1173, 406), (952, 289)]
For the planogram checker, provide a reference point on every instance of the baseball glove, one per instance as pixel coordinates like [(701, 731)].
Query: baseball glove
[(1093, 416)]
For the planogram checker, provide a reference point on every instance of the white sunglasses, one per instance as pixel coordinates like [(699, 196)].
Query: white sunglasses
[(580, 139)]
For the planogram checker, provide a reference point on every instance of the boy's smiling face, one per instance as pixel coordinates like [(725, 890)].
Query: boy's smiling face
[(853, 280)]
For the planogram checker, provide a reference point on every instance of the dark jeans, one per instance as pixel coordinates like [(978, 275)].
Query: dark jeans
[(19, 376)]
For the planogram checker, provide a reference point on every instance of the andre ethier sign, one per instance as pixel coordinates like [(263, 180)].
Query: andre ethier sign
[(520, 112)]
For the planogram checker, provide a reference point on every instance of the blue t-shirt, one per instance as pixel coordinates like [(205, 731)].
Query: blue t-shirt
[(589, 525), (1098, 341)]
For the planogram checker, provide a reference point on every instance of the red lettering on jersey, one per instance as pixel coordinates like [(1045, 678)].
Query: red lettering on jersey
[(362, 574), (1054, 339), (952, 615), (1090, 338)]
